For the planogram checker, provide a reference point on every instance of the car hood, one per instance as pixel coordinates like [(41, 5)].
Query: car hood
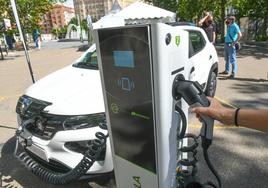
[(71, 90)]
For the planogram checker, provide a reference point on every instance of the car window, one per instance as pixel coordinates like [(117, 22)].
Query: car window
[(196, 42), (88, 61)]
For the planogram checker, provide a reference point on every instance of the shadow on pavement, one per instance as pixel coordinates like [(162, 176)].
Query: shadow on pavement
[(7, 127), (257, 50), (251, 88), (240, 156), (221, 77), (256, 103), (14, 174)]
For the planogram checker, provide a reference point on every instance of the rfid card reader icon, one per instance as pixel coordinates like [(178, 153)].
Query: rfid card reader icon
[(126, 84)]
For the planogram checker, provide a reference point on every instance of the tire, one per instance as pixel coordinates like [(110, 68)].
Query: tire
[(211, 84)]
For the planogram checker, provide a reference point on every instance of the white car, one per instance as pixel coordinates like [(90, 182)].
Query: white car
[(61, 112)]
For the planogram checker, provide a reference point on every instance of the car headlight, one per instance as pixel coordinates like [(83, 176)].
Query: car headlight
[(29, 107), (84, 121), (23, 104)]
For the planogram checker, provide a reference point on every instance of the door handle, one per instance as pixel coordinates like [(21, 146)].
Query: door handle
[(210, 57)]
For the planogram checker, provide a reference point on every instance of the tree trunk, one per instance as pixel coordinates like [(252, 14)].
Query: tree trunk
[(264, 28), (256, 29)]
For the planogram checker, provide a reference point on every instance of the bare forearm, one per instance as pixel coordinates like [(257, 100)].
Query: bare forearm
[(214, 37), (255, 119), (239, 37), (250, 118), (202, 21)]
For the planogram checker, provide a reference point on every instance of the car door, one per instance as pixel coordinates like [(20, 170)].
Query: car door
[(199, 57)]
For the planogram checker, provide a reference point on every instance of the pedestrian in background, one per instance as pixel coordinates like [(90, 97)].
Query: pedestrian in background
[(39, 42), (209, 26), (36, 36), (232, 37)]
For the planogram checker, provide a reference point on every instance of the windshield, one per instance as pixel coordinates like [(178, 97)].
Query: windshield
[(88, 61)]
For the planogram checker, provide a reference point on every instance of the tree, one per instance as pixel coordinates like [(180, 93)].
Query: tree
[(30, 12), (74, 21), (255, 10), (192, 10), (84, 25)]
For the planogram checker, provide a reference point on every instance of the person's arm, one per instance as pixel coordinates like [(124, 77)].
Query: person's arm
[(214, 33), (214, 37), (238, 32), (239, 37), (200, 23), (250, 118)]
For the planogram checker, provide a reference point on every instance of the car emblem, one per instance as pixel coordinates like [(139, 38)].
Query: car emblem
[(40, 126)]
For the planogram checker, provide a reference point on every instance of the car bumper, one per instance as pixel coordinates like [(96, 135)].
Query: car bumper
[(54, 152)]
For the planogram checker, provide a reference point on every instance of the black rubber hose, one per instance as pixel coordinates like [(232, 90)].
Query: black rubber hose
[(81, 168), (183, 119), (212, 169)]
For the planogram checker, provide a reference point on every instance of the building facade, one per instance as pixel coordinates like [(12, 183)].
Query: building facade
[(97, 8), (58, 17)]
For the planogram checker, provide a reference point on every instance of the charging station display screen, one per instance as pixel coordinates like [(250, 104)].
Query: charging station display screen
[(126, 66), (124, 59)]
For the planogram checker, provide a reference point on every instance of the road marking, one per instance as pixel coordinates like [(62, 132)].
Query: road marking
[(3, 98)]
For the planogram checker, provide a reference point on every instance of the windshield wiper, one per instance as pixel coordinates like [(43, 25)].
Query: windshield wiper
[(85, 65)]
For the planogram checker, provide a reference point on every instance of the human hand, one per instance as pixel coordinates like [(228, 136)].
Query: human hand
[(207, 13), (216, 111)]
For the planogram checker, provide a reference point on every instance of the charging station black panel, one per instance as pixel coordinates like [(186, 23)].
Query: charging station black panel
[(126, 63)]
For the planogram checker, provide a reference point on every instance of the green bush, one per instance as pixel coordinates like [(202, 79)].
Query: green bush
[(262, 38)]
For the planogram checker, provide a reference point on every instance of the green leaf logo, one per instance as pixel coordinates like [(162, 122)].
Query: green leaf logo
[(178, 40)]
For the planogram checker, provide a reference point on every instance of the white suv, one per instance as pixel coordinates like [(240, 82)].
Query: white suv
[(60, 113)]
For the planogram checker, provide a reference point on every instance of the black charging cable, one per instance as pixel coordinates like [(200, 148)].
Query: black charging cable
[(205, 145)]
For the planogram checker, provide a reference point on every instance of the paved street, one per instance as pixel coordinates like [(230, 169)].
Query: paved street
[(240, 155)]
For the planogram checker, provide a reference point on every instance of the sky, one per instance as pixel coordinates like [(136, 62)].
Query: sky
[(69, 3)]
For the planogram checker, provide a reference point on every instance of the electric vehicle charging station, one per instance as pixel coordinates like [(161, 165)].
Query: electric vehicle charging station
[(143, 70), (139, 64)]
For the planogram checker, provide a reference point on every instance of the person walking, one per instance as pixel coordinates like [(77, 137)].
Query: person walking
[(36, 36), (232, 37), (209, 26)]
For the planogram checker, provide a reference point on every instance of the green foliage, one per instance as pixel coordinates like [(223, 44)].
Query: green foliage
[(74, 21), (192, 10), (171, 5), (30, 12), (84, 25), (54, 31), (58, 1), (261, 38), (251, 8)]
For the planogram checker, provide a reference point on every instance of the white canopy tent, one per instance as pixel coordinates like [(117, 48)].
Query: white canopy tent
[(136, 13)]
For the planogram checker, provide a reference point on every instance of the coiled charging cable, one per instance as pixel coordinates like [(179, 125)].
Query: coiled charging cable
[(81, 168)]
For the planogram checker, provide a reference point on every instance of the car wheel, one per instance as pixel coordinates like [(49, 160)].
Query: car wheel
[(211, 84)]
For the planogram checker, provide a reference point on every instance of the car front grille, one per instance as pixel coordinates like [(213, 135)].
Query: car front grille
[(44, 125)]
